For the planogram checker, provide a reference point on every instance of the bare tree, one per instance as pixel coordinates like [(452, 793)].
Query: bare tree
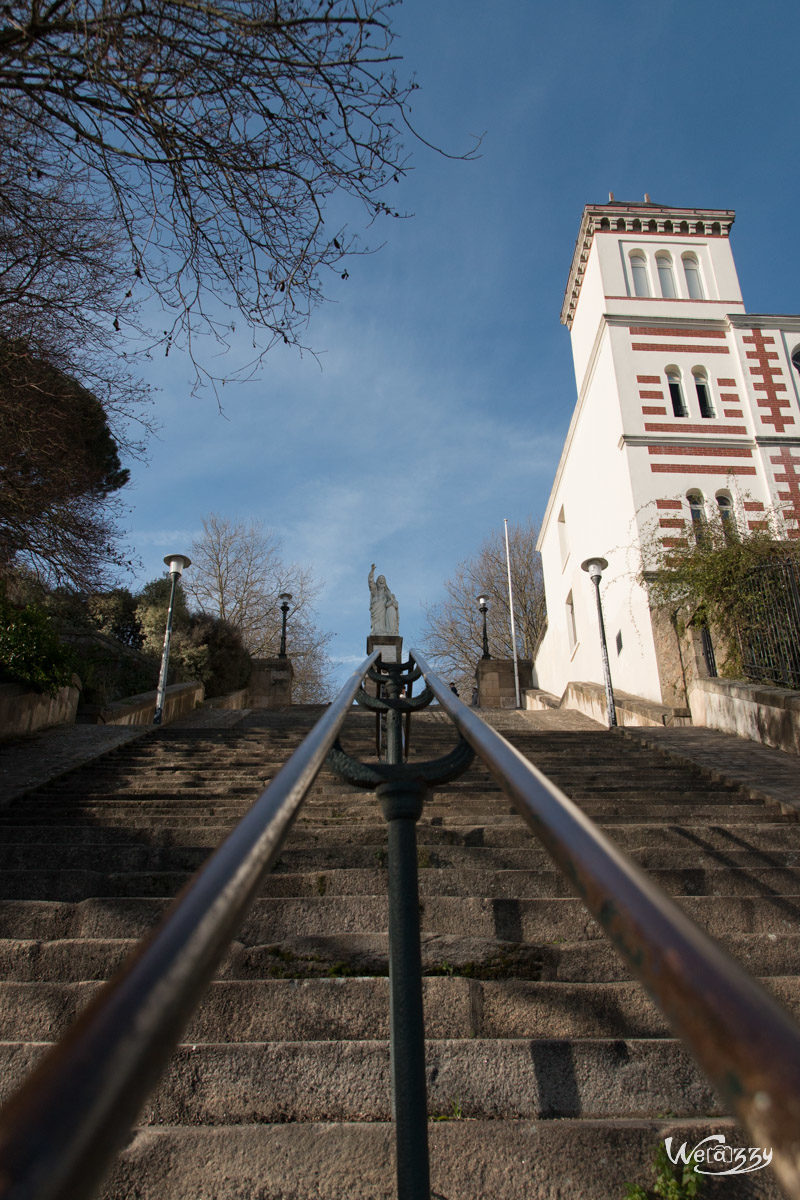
[(453, 635), (210, 138), (237, 574)]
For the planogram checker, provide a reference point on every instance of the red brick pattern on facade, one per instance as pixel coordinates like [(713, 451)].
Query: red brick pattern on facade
[(785, 471), (700, 469), (732, 412), (637, 330), (673, 504), (650, 411), (671, 523), (674, 541), (648, 379), (753, 506), (678, 348), (703, 451), (651, 395), (727, 383), (655, 427), (765, 377)]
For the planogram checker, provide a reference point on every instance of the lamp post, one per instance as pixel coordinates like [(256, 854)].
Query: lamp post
[(284, 598), (484, 607), (594, 568), (177, 563)]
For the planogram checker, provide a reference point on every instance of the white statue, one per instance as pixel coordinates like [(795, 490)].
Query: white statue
[(383, 611)]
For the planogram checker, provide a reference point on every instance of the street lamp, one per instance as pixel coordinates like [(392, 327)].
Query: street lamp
[(284, 598), (594, 568), (484, 607), (177, 563)]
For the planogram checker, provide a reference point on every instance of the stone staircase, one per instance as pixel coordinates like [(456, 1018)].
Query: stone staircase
[(550, 1072)]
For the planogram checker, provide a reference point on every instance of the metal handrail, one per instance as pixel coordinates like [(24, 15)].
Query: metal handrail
[(744, 1041), (60, 1131)]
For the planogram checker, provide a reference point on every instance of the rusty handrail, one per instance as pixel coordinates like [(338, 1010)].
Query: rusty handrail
[(60, 1131), (747, 1045)]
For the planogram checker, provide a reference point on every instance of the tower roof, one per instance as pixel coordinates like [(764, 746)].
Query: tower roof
[(645, 219)]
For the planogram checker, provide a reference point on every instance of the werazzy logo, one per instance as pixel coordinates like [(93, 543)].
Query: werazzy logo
[(713, 1156)]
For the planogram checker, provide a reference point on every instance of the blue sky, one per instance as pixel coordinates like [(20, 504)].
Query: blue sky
[(444, 384)]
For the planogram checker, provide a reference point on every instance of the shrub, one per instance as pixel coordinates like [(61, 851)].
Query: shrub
[(30, 650)]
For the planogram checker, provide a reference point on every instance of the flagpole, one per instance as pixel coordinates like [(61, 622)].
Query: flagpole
[(511, 611)]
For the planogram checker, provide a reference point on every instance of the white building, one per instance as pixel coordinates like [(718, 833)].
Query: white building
[(685, 402)]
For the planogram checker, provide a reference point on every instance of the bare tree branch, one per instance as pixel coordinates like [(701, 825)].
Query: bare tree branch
[(453, 634)]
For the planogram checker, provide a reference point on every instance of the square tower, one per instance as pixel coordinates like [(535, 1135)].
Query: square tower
[(685, 404)]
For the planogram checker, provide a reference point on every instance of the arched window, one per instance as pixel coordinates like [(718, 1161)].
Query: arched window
[(698, 514), (716, 228), (684, 226), (694, 284), (668, 227), (605, 223), (703, 392), (665, 277), (621, 224), (637, 225), (652, 226), (726, 515), (641, 284), (676, 392), (699, 227)]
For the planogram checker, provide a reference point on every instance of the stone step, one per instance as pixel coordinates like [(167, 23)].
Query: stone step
[(570, 1159), (357, 1009), (243, 1082), (60, 878), (346, 955), (270, 920)]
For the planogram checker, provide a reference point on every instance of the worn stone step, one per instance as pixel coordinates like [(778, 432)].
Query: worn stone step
[(52, 874), (271, 920), (357, 1008), (208, 1083), (314, 956), (570, 1159)]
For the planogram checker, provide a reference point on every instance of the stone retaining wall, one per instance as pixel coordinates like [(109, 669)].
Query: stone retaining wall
[(764, 714), (181, 698), (25, 711)]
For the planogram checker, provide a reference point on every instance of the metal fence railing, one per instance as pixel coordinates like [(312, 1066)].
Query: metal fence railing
[(769, 635)]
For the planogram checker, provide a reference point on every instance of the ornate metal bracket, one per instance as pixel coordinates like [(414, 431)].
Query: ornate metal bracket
[(371, 775), (397, 678)]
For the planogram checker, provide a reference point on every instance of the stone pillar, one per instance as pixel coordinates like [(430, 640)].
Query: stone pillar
[(271, 683), (495, 679)]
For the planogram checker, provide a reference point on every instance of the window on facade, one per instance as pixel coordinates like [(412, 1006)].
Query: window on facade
[(641, 284), (698, 514), (676, 392), (725, 506), (796, 358), (694, 284), (572, 634), (665, 277), (703, 392), (668, 227), (621, 223), (563, 543)]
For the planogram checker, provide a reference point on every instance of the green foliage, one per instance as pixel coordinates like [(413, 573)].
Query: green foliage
[(30, 650), (673, 1181), (711, 578), (114, 613)]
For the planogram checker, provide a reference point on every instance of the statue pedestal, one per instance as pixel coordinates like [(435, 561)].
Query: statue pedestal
[(271, 683), (389, 644), (391, 648)]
